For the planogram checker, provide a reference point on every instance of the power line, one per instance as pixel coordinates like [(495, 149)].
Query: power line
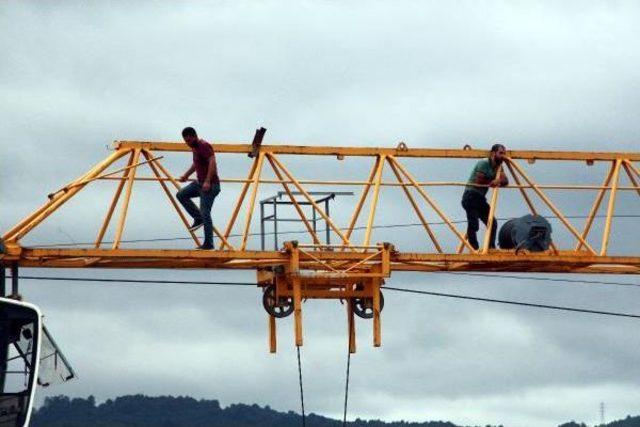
[(519, 303), (385, 226), (413, 291), (537, 278), (142, 281), (218, 283)]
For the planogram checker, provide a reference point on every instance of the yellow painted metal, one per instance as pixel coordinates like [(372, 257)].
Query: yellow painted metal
[(323, 245), (112, 206), (8, 236), (551, 206), (151, 258), (569, 264), (297, 308), (431, 203), (273, 343), (319, 150), (633, 168), (311, 201), (127, 196), (296, 282), (629, 171), (241, 196), (355, 279), (461, 245), (109, 175), (386, 183), (596, 206), (526, 198), (320, 271), (361, 262), (156, 163), (374, 200), (252, 201), (319, 261), (416, 209), (304, 219), (351, 325), (173, 202), (17, 232), (377, 330), (492, 212), (363, 197), (612, 200)]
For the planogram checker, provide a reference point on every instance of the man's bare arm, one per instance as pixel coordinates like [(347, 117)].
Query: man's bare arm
[(211, 169), (481, 179), (501, 180), (187, 174), (504, 181)]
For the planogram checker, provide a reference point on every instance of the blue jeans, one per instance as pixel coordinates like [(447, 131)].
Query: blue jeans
[(194, 189), (477, 208)]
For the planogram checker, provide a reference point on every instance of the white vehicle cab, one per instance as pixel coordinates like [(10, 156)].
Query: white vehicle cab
[(28, 357)]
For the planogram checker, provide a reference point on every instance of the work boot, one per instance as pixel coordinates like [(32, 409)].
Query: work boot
[(205, 247)]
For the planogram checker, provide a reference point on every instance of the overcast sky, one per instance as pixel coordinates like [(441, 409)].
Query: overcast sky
[(534, 75)]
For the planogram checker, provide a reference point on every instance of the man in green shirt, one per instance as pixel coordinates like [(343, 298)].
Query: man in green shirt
[(474, 202)]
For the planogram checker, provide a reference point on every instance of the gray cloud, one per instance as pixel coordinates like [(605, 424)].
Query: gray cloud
[(75, 77)]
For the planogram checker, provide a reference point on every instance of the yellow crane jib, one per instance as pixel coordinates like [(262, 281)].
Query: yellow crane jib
[(351, 269)]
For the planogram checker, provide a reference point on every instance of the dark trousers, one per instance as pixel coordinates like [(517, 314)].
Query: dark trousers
[(194, 189), (477, 208)]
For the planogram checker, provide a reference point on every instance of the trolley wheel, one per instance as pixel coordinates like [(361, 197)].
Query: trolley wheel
[(283, 307), (363, 307)]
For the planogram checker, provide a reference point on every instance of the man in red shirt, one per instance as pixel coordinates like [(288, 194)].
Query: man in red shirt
[(207, 185)]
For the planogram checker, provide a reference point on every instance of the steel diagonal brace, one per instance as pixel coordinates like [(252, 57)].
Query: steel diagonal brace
[(310, 200), (296, 205), (35, 218), (433, 205), (550, 204), (153, 164)]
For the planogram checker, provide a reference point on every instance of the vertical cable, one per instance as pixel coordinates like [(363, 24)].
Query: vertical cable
[(346, 389), (301, 390)]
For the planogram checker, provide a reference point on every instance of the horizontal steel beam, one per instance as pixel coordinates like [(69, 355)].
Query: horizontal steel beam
[(226, 147), (503, 261)]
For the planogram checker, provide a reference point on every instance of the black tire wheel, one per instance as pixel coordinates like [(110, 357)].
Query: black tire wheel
[(283, 307), (363, 307)]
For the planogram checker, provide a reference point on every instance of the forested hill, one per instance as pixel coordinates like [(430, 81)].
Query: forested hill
[(143, 411)]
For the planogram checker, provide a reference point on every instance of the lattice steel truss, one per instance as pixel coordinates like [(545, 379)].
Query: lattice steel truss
[(348, 270)]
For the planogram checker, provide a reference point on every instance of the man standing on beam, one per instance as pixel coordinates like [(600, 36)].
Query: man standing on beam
[(474, 202), (207, 185)]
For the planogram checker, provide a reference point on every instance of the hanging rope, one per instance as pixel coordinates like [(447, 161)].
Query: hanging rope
[(346, 389), (301, 391)]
